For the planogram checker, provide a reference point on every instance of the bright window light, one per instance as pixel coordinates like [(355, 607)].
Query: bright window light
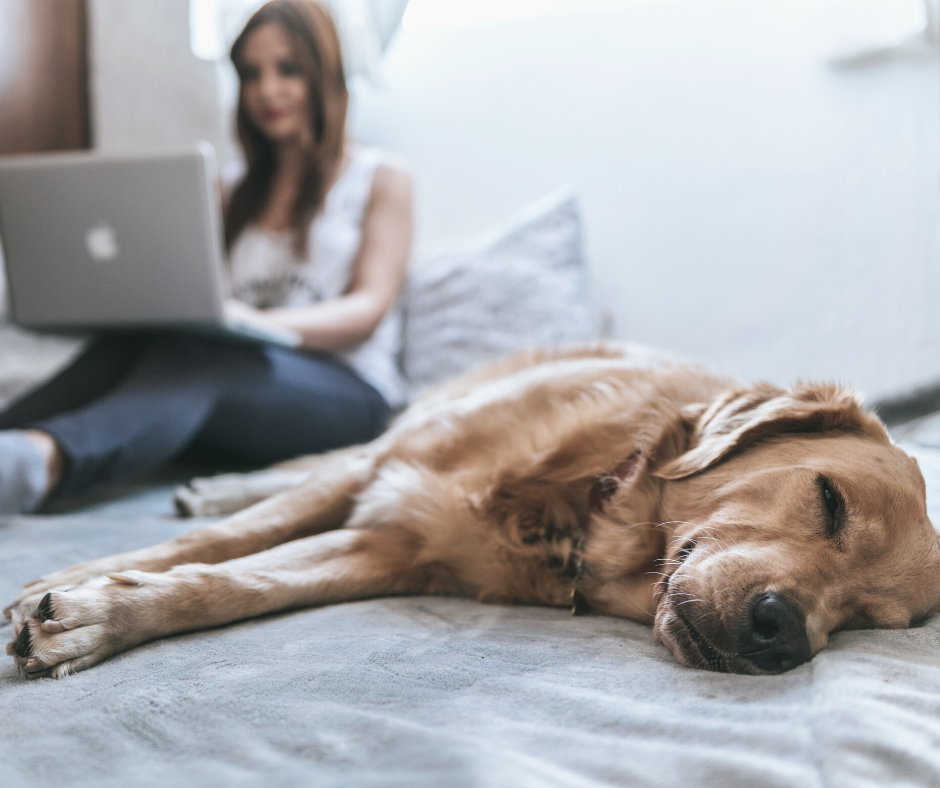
[(432, 14), (213, 25), (365, 27), (864, 24)]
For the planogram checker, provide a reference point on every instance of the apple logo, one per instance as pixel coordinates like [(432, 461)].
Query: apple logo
[(101, 243)]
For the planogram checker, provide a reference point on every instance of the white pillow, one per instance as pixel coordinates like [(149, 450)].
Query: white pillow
[(517, 286)]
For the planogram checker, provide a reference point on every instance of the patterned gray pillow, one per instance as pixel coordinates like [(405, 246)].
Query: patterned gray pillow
[(517, 286)]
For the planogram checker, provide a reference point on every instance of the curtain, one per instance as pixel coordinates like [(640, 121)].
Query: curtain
[(365, 28)]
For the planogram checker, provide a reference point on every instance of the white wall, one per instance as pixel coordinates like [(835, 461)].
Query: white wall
[(148, 91), (746, 201)]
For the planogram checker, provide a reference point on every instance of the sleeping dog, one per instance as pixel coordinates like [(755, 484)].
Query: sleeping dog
[(744, 523)]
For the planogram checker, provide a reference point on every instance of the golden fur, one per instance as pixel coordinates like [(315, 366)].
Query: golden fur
[(745, 524)]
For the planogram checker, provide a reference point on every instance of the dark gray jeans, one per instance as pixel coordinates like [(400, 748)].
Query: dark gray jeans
[(128, 404)]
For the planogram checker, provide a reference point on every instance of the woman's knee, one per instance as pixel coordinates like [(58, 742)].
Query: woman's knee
[(189, 355)]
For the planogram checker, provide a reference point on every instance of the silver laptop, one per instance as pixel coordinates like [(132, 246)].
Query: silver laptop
[(135, 242)]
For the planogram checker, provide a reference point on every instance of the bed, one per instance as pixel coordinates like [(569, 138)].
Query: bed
[(433, 691)]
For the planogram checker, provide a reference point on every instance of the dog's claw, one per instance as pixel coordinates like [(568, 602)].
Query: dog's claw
[(23, 645), (44, 611)]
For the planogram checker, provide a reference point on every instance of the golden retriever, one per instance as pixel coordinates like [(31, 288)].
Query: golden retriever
[(744, 523)]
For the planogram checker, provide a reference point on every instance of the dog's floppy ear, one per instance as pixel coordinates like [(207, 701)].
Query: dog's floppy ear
[(740, 417)]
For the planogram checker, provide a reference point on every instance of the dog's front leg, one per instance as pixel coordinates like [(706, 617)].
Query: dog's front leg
[(74, 628), (231, 492), (321, 503)]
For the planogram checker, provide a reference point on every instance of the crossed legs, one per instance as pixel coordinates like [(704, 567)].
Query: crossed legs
[(129, 404)]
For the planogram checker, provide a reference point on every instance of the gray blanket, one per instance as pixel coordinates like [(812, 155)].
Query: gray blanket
[(429, 692)]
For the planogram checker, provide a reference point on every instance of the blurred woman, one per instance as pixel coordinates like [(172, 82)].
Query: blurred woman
[(318, 232)]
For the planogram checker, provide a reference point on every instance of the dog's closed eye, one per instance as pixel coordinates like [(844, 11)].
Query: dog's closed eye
[(833, 507)]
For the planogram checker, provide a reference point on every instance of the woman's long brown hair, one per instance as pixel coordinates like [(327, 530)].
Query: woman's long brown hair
[(316, 46)]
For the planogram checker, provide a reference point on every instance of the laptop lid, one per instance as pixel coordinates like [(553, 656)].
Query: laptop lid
[(95, 241)]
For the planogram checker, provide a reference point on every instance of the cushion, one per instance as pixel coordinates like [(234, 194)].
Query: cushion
[(516, 286)]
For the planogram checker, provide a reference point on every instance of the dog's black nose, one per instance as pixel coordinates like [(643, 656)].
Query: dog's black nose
[(774, 636)]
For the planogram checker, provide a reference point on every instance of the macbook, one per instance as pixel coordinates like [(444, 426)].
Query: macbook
[(96, 242)]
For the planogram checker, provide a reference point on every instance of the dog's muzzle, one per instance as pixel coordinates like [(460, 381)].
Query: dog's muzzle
[(773, 637)]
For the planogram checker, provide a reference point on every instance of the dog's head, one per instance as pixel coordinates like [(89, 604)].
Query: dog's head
[(790, 515)]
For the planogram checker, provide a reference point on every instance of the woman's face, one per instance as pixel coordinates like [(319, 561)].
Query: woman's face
[(274, 90)]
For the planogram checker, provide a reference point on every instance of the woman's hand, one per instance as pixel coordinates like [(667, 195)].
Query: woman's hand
[(240, 312)]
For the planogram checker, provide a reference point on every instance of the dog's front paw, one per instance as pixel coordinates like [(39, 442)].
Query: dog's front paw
[(71, 628), (72, 576)]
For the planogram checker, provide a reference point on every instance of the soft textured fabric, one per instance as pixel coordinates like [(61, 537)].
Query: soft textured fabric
[(265, 271), (520, 285), (129, 404), (441, 692)]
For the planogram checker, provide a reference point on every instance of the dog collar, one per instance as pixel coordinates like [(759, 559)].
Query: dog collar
[(579, 604)]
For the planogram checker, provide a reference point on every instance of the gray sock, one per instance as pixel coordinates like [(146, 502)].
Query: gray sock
[(23, 474)]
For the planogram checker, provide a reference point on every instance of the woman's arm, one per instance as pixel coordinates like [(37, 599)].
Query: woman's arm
[(377, 278)]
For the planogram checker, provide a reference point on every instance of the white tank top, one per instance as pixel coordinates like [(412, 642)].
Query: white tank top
[(265, 272)]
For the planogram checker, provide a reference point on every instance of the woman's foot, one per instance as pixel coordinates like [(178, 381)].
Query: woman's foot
[(30, 467)]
